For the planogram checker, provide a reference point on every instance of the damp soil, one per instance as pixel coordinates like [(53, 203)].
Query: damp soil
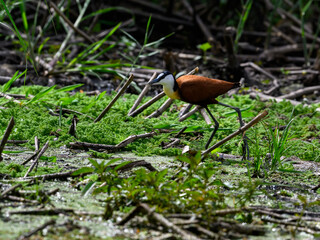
[(87, 219)]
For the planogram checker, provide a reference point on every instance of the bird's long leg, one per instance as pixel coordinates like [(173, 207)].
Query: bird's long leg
[(216, 126), (245, 142)]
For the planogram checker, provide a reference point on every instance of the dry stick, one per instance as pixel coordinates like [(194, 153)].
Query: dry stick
[(9, 97), (17, 141), (163, 107), (81, 33), (205, 115), (279, 33), (264, 97), (44, 148), (300, 92), (70, 33), (4, 193), (142, 94), (185, 116), (43, 226), (185, 109), (147, 104), (241, 130), (256, 67), (36, 146), (121, 91), (122, 144), (166, 223), (6, 136)]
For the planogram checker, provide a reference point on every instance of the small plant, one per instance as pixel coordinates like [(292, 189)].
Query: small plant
[(243, 19), (204, 48), (278, 144)]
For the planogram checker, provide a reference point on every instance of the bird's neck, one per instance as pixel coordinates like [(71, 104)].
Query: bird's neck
[(171, 89)]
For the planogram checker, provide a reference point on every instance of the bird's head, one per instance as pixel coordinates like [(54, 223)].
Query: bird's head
[(165, 78)]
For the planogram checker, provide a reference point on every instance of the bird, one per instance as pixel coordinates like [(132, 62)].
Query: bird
[(202, 91)]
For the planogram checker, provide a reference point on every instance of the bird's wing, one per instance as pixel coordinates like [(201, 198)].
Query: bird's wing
[(201, 90)]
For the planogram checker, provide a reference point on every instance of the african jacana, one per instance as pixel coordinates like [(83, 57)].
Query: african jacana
[(200, 91)]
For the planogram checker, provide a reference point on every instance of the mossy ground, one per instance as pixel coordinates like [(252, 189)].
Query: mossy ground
[(35, 120), (230, 184)]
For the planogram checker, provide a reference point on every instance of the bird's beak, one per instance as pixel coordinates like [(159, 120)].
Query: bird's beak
[(155, 82)]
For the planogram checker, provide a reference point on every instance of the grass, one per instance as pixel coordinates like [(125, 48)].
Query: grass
[(32, 119)]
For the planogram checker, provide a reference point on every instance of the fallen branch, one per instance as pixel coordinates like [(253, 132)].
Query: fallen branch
[(45, 212), (185, 116), (147, 104), (166, 223), (264, 97), (159, 111), (128, 140), (4, 193), (300, 92), (32, 232), (121, 91), (131, 165), (76, 29), (142, 94), (240, 130), (6, 136), (41, 152)]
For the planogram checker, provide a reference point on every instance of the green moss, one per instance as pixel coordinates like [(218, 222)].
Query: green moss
[(34, 120)]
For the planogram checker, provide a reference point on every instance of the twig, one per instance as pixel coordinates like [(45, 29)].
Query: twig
[(121, 91), (17, 141), (36, 146), (4, 193), (300, 92), (166, 223), (142, 94), (173, 143), (129, 216), (6, 136), (264, 97), (185, 116), (43, 226), (73, 126), (205, 115), (55, 211), (147, 104), (80, 32), (180, 132), (239, 131), (122, 144), (66, 40), (50, 176), (159, 111), (256, 67), (44, 148), (131, 165), (9, 97)]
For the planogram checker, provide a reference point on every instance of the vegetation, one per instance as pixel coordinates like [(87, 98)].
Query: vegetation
[(60, 56)]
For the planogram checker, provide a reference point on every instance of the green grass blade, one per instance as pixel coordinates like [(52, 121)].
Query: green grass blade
[(16, 31), (69, 88), (41, 94), (24, 15), (147, 32), (106, 10), (11, 81), (243, 19)]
